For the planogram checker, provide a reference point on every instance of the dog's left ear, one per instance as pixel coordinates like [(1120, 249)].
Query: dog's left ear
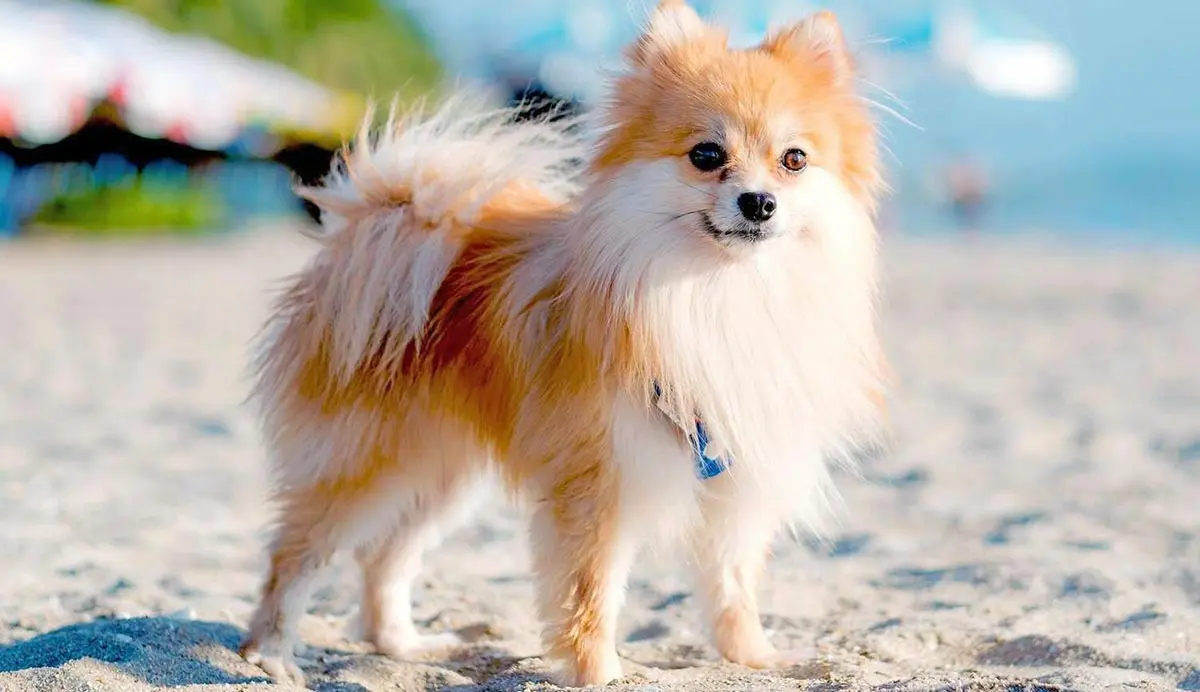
[(818, 41)]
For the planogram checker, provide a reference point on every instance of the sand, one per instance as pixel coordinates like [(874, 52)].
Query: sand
[(1037, 525)]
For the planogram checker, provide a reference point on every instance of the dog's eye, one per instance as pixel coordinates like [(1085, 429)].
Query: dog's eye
[(707, 156), (794, 160)]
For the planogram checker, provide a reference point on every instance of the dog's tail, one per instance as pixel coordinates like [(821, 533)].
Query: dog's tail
[(400, 205)]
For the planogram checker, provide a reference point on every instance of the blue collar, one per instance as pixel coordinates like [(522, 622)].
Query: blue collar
[(706, 466)]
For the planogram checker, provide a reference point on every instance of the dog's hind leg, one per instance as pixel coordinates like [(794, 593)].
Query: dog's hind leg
[(391, 565), (314, 522)]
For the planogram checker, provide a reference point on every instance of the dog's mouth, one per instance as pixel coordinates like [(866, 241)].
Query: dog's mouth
[(747, 232)]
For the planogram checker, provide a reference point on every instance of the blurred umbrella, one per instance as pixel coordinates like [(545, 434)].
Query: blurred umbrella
[(59, 59)]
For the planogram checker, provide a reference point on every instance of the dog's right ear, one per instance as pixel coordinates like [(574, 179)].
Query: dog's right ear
[(816, 42), (672, 24)]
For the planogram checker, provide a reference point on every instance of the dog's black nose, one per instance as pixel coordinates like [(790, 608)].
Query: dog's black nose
[(757, 206)]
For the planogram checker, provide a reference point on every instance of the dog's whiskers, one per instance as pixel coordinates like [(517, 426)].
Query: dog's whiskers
[(707, 193)]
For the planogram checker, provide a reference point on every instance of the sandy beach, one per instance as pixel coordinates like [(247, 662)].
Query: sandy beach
[(1036, 525)]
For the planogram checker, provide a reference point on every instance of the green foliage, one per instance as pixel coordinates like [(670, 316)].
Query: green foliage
[(362, 46), (138, 207)]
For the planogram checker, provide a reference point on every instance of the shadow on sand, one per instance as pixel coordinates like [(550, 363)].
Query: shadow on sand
[(159, 651)]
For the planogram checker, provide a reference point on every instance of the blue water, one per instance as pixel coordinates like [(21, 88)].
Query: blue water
[(1121, 154)]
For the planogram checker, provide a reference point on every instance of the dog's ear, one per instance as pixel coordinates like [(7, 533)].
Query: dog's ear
[(818, 41), (672, 24)]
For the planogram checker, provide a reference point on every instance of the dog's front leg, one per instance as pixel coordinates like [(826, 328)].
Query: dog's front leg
[(582, 560), (731, 546)]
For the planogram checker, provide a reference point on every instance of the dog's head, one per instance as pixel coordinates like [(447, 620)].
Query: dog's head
[(736, 146)]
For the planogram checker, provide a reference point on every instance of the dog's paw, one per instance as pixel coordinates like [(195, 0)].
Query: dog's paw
[(596, 673), (766, 657), (400, 646), (759, 658), (282, 668)]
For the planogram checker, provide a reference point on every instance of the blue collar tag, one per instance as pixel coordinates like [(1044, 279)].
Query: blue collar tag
[(707, 465)]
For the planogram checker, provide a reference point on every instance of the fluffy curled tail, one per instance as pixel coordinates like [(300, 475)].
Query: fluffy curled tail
[(437, 171), (400, 205)]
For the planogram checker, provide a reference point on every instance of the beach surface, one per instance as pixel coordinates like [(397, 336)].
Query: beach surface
[(1035, 526)]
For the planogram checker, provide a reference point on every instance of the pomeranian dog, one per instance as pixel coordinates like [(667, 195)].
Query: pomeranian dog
[(674, 340)]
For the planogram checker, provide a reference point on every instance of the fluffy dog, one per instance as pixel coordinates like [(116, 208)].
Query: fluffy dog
[(676, 341)]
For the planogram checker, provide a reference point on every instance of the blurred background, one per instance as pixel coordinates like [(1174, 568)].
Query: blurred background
[(1035, 526), (195, 116)]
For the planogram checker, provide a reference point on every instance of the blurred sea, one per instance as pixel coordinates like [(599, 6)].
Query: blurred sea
[(1118, 159)]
